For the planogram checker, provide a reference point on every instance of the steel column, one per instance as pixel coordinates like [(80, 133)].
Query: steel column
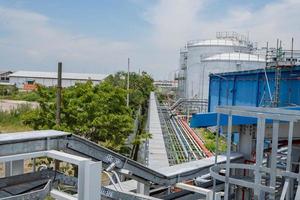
[(216, 151), (289, 156), (274, 156), (229, 132), (261, 122)]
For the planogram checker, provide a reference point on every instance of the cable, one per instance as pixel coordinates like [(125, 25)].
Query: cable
[(111, 180), (118, 180)]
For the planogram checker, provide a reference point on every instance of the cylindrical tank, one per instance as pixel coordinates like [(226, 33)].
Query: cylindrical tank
[(198, 75), (199, 50)]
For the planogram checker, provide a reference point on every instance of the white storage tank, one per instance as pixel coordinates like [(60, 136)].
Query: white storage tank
[(229, 51), (198, 75)]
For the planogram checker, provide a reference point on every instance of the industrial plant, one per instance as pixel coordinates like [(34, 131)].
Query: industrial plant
[(227, 127)]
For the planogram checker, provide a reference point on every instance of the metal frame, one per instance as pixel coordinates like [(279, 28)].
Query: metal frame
[(262, 114), (88, 181), (79, 146), (39, 141)]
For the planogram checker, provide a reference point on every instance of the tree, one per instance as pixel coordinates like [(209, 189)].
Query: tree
[(140, 87), (96, 112)]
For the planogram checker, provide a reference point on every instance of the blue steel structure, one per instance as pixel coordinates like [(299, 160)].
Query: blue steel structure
[(248, 88)]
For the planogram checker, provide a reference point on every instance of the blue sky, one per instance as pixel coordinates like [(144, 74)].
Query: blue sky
[(98, 35)]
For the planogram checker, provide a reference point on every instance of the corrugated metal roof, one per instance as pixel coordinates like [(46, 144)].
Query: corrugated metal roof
[(53, 75), (236, 56)]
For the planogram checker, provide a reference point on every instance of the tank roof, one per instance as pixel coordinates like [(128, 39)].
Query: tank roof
[(236, 56), (217, 42)]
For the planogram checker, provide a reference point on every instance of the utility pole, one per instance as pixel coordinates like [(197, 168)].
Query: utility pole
[(128, 82), (58, 94)]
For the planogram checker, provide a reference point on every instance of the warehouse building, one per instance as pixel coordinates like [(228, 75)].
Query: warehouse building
[(4, 76), (27, 80)]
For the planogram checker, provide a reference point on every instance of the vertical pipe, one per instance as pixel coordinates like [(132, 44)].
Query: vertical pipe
[(128, 65), (229, 132), (58, 94)]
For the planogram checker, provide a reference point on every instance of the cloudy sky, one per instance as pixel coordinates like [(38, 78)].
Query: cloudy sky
[(99, 35)]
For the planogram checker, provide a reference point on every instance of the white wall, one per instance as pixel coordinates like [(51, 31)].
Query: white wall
[(19, 81), (198, 74)]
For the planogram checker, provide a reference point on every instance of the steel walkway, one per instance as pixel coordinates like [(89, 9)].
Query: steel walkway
[(27, 142)]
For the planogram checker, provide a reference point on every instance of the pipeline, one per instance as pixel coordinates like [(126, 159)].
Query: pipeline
[(181, 140), (178, 151), (197, 147), (197, 139), (184, 136)]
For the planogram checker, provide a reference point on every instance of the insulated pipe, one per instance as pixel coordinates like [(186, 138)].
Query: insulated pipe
[(185, 136), (180, 139), (197, 139), (180, 134), (195, 144)]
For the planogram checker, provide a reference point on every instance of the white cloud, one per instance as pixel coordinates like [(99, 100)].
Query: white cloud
[(177, 21), (30, 39)]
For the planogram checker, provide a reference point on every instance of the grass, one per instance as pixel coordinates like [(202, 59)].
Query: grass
[(11, 121), (210, 140), (24, 96)]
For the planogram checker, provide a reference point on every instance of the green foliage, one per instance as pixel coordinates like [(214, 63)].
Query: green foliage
[(14, 94), (210, 140), (96, 112), (6, 90), (140, 87)]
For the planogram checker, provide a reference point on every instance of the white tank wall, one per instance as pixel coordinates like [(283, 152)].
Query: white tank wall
[(198, 75), (195, 55)]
